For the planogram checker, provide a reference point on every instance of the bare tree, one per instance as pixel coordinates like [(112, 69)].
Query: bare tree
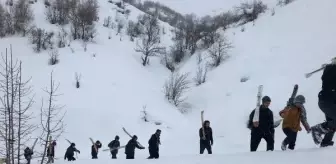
[(2, 21), (58, 11), (23, 16), (219, 51), (51, 117), (62, 35), (175, 87), (16, 128), (249, 12), (83, 17), (150, 39)]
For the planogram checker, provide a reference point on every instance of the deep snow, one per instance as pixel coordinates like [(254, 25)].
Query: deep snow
[(275, 52)]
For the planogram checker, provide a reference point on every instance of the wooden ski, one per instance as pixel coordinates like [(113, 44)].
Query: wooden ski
[(202, 121), (256, 112), (110, 149), (131, 136), (95, 147)]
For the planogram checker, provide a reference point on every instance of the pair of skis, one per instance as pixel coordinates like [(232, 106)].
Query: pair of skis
[(259, 95)]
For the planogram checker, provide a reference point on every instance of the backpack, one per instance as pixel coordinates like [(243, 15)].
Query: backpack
[(291, 118)]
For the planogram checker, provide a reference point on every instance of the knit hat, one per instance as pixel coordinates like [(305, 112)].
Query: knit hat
[(266, 99), (300, 99)]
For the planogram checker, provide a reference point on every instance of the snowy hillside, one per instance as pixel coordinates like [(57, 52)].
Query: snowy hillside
[(210, 7), (276, 52)]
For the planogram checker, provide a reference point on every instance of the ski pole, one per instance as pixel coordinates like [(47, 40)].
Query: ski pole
[(318, 70)]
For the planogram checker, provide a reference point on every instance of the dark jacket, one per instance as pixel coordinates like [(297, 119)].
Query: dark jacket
[(154, 142), (114, 144), (93, 151), (70, 152), (266, 122), (28, 153), (208, 135), (51, 151), (130, 147), (328, 92)]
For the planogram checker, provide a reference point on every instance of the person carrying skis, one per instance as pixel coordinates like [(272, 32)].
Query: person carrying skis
[(292, 115), (264, 129), (113, 145), (130, 147), (206, 139), (51, 152), (94, 152), (70, 152), (327, 103), (28, 154), (153, 145)]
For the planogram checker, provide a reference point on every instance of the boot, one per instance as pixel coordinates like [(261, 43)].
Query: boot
[(283, 146), (317, 132)]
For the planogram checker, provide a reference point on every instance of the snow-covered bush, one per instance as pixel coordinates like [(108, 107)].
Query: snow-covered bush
[(62, 35), (175, 87), (284, 2), (77, 77), (41, 39), (168, 61), (244, 79), (53, 57), (218, 52), (249, 12), (201, 75)]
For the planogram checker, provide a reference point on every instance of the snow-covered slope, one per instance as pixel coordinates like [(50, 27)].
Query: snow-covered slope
[(210, 7), (276, 52)]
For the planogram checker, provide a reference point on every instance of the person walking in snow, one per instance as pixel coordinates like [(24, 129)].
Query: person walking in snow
[(113, 145), (70, 152), (206, 140), (265, 128), (130, 147), (28, 154), (154, 143), (327, 103), (292, 115), (51, 152), (94, 152)]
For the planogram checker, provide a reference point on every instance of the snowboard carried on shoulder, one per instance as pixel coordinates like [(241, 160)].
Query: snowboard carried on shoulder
[(93, 143), (131, 136), (289, 102)]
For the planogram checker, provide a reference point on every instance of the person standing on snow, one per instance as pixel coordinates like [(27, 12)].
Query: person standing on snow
[(292, 116), (28, 154), (327, 103), (206, 141), (130, 147), (154, 143), (265, 128), (94, 152), (51, 152), (113, 145), (70, 152)]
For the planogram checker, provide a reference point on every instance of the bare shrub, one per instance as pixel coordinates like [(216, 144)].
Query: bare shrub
[(177, 51), (175, 87), (201, 75), (107, 22), (59, 11), (134, 29), (249, 12), (2, 21), (22, 16), (51, 117), (284, 2), (168, 61), (244, 79), (62, 35), (41, 39), (54, 57), (145, 114), (150, 39), (219, 51), (78, 78)]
